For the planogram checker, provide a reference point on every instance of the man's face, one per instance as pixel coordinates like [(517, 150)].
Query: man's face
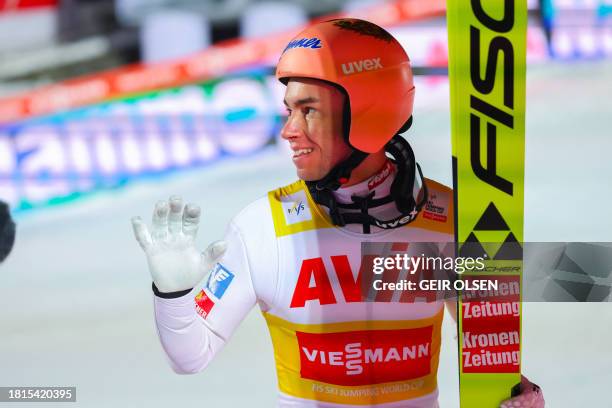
[(314, 127)]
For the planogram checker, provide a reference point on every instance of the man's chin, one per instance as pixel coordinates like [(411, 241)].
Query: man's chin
[(308, 175)]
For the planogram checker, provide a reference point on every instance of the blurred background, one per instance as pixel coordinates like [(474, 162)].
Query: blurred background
[(108, 106)]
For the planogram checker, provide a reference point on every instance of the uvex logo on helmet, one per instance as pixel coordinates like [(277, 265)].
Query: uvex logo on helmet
[(361, 65)]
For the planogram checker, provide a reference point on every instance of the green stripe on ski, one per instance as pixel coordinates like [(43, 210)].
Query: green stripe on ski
[(487, 88)]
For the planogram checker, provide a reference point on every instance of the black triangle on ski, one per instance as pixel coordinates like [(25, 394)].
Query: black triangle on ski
[(472, 248), (491, 220), (511, 249)]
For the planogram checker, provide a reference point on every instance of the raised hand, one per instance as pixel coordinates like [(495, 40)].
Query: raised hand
[(174, 262)]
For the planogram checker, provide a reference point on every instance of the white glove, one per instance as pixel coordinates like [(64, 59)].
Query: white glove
[(174, 262)]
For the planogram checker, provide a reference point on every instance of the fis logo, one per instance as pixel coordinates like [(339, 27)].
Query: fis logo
[(219, 280), (361, 65), (297, 208)]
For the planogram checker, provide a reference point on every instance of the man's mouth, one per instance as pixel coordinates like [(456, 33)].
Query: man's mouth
[(301, 152)]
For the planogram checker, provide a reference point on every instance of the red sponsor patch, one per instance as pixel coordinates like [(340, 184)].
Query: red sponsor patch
[(366, 357), (436, 207), (399, 247), (492, 327), (203, 304), (435, 217), (381, 176), (509, 289), (491, 337)]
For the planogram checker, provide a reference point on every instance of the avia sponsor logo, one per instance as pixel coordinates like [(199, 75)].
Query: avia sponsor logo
[(436, 207), (361, 65), (313, 43), (295, 208), (381, 176), (219, 280), (315, 284), (203, 304), (366, 357), (313, 270)]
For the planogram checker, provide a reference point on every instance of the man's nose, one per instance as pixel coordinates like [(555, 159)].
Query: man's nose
[(292, 129)]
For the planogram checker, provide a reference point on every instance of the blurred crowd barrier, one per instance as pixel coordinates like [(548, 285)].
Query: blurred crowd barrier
[(53, 159), (101, 131)]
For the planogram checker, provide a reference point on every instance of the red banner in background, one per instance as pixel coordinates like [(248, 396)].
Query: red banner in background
[(10, 5), (214, 61)]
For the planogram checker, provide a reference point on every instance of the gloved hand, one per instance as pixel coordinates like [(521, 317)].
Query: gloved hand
[(174, 262), (7, 231), (525, 395)]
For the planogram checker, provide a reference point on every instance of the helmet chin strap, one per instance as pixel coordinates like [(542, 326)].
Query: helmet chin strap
[(341, 173), (402, 190), (322, 190)]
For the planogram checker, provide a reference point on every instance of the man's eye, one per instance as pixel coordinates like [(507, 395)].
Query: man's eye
[(308, 110), (288, 112)]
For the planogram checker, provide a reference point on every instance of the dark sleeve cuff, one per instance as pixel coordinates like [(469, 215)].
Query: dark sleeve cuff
[(170, 295)]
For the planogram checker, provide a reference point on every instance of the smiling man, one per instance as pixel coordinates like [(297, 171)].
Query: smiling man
[(297, 252), (314, 127)]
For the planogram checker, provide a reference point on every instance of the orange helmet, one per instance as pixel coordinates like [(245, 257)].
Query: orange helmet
[(368, 64)]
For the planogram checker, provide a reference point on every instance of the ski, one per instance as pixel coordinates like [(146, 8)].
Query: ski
[(487, 64)]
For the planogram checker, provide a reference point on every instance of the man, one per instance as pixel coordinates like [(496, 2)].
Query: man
[(297, 252), (7, 231)]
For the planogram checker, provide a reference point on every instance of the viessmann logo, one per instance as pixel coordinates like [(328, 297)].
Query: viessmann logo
[(366, 357)]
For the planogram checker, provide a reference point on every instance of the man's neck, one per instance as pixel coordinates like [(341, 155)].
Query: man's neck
[(370, 166), (376, 187)]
